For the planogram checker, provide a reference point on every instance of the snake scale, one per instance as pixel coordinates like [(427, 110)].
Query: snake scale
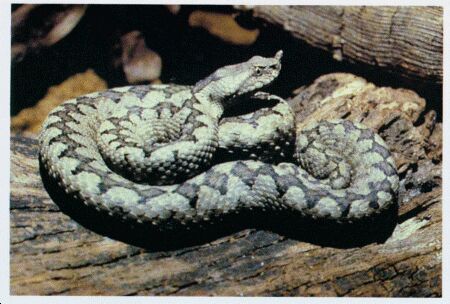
[(142, 154)]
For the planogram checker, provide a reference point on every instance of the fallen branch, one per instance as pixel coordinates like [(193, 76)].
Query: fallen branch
[(52, 254)]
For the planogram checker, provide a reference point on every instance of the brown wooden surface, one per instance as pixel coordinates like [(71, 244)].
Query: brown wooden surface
[(52, 255), (405, 39)]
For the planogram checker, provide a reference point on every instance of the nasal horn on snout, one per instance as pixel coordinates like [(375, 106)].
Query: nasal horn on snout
[(279, 54)]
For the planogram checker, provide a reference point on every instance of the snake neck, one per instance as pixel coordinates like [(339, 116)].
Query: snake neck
[(212, 98)]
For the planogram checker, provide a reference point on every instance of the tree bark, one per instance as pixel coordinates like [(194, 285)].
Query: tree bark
[(404, 39), (53, 255)]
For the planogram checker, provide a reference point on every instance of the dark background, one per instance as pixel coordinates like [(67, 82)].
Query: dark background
[(188, 54)]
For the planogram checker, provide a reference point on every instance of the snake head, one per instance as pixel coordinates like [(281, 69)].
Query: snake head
[(238, 79)]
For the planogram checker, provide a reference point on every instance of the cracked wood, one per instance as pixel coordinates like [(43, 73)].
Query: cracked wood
[(51, 254)]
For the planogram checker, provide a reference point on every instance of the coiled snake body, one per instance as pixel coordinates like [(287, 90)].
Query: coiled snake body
[(142, 154)]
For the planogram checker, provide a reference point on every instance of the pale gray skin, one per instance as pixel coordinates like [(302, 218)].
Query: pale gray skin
[(160, 134)]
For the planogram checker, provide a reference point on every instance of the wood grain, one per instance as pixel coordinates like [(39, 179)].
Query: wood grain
[(53, 255), (404, 39)]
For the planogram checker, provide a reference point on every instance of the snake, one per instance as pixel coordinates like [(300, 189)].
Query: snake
[(150, 154)]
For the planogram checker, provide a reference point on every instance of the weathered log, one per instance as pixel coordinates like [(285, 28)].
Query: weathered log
[(52, 254), (404, 39)]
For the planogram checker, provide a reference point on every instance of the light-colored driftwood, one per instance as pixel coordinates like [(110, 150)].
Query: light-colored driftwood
[(405, 39), (51, 254)]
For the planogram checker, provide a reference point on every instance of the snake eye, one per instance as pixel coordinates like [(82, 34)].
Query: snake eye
[(258, 71)]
